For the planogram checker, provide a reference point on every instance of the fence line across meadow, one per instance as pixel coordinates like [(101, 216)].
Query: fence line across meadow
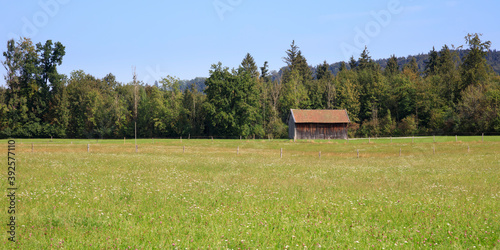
[(352, 148), (426, 138)]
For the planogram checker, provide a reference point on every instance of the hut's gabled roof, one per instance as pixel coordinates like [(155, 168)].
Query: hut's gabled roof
[(320, 116)]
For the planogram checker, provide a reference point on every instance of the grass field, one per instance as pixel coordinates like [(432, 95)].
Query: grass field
[(208, 194)]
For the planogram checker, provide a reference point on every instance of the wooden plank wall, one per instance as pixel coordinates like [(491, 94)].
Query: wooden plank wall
[(321, 131)]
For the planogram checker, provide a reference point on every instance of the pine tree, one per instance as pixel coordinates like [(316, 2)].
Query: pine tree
[(348, 96), (248, 65), (297, 83), (342, 67), (303, 68), (412, 66), (392, 67), (449, 76), (264, 72), (325, 80), (432, 64), (291, 56), (365, 61), (352, 63), (475, 70), (322, 70)]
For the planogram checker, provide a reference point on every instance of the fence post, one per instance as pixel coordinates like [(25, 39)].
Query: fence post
[(238, 151), (181, 139), (357, 151), (320, 154), (212, 138), (88, 148), (183, 149), (123, 140), (189, 136), (468, 149), (136, 148), (281, 152), (369, 139), (399, 151)]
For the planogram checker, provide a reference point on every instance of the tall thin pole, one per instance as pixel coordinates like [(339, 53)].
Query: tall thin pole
[(135, 105)]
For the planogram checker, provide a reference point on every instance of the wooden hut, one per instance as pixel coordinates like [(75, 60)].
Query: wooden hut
[(317, 124)]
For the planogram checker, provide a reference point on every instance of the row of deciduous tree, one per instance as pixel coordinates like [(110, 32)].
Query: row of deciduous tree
[(452, 95)]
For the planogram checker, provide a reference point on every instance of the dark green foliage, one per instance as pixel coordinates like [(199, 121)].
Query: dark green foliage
[(412, 66), (35, 102), (298, 89), (264, 72), (474, 69), (231, 105), (291, 56), (442, 92), (248, 66), (352, 63), (432, 63), (348, 94), (342, 66), (392, 66)]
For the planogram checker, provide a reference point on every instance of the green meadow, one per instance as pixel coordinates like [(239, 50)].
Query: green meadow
[(423, 192)]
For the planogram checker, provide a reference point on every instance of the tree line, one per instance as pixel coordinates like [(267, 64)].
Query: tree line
[(452, 94)]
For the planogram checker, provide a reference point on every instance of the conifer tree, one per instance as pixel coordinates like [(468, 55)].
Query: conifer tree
[(248, 65), (392, 67), (431, 64), (475, 70)]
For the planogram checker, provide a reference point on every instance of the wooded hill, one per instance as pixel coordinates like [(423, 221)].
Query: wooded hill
[(444, 91), (492, 59)]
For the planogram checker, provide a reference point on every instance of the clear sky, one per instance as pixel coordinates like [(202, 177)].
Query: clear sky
[(184, 38)]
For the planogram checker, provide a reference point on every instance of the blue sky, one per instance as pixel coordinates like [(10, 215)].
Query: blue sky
[(184, 38)]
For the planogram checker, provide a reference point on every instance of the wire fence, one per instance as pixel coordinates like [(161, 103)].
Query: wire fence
[(351, 148), (219, 137), (288, 150)]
